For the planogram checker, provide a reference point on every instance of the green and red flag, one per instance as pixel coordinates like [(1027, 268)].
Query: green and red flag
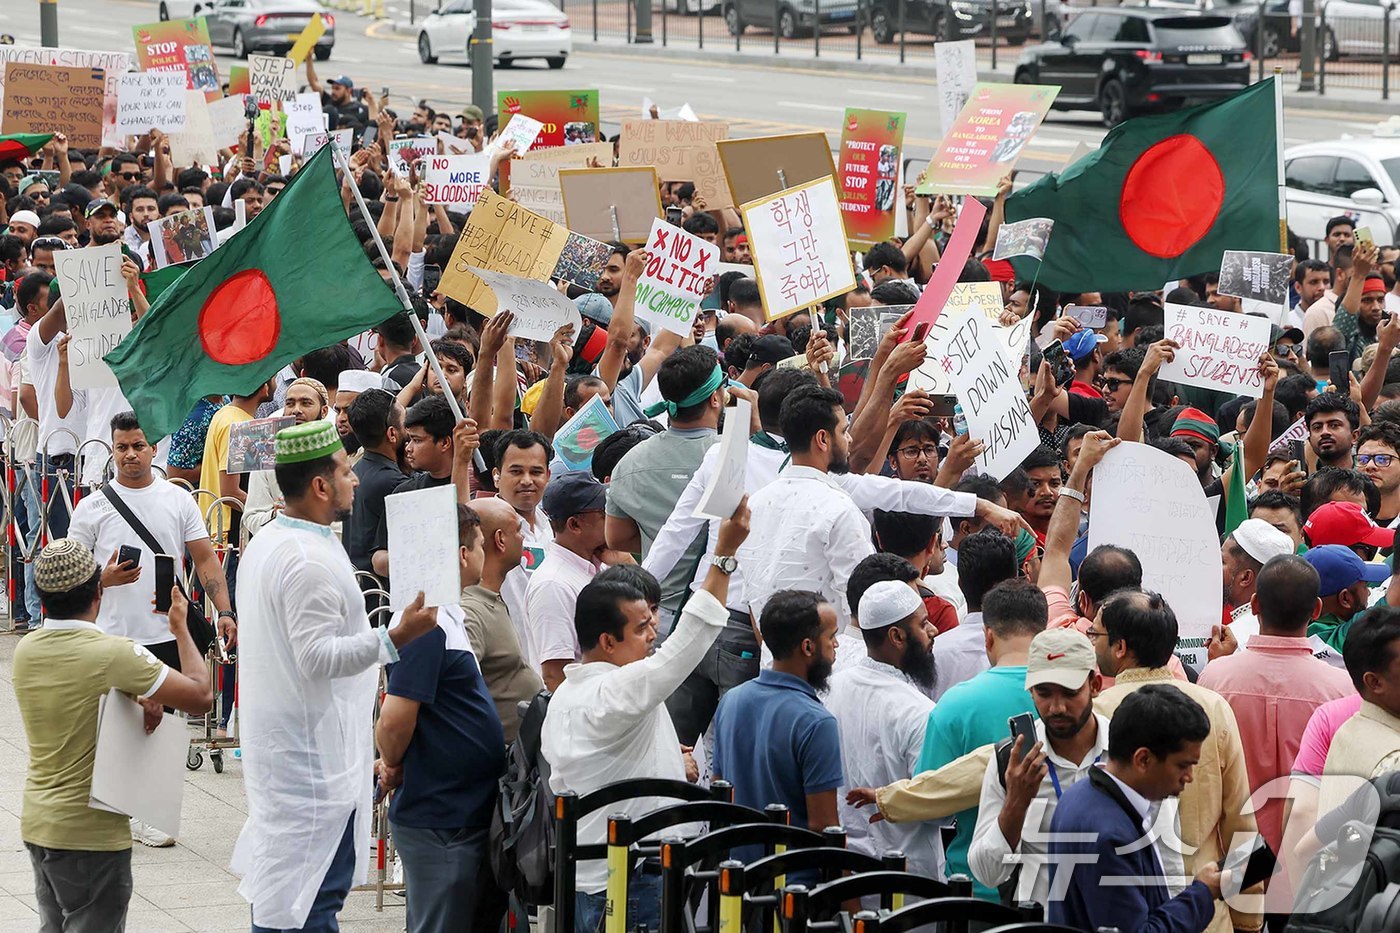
[(295, 279), (1162, 199), (22, 145)]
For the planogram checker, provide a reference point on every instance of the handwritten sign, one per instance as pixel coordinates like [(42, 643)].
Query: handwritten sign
[(304, 118), (148, 100), (725, 489), (405, 152), (534, 180), (501, 237), (99, 313), (1219, 349), (423, 547), (868, 169), (227, 120), (681, 150), (113, 65), (522, 130), (1152, 503), (343, 140), (575, 442), (987, 138), (679, 271), (985, 380), (49, 98), (1024, 238), (538, 307), (799, 247), (456, 180), (252, 445), (272, 78), (1258, 276), (307, 40), (955, 65)]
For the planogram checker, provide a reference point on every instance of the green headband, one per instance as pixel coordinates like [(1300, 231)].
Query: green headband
[(695, 398)]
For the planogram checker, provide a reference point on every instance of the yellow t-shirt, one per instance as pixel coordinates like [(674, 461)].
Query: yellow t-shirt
[(215, 460), (61, 672)]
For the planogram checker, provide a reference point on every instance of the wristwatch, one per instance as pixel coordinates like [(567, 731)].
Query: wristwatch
[(726, 563), (227, 614)]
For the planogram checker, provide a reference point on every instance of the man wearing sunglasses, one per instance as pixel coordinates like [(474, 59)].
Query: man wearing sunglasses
[(125, 170), (1288, 348), (1379, 458), (1120, 369), (41, 252)]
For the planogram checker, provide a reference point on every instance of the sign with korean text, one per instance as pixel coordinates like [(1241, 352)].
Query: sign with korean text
[(148, 100), (456, 180), (272, 78), (985, 379), (534, 180), (179, 45), (99, 312), (799, 247), (681, 150), (112, 64), (867, 167), (1219, 349), (500, 236), (955, 65), (570, 118), (679, 273), (987, 138), (539, 308), (52, 98)]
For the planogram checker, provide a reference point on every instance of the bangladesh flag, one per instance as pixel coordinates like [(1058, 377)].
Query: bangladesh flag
[(22, 145), (294, 280), (1162, 199)]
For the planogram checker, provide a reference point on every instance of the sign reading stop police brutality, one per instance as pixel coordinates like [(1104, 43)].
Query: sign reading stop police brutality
[(1219, 349), (799, 247), (680, 270), (456, 181)]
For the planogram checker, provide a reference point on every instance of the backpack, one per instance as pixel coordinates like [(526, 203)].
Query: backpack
[(522, 826), (1345, 877)]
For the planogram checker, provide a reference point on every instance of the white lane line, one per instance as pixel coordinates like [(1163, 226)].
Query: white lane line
[(698, 76), (803, 105), (889, 95)]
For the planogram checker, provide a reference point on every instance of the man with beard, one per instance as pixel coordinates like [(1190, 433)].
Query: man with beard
[(307, 400), (142, 207), (881, 705), (349, 386), (611, 278), (631, 358), (377, 421), (1243, 554), (1332, 422), (1022, 786)]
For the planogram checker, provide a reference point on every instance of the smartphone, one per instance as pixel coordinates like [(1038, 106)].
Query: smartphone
[(370, 134), (383, 95), (673, 216), (432, 275), (473, 132), (1090, 316), (921, 331), (1297, 451), (1338, 368), (1250, 864), (943, 406), (1023, 725), (126, 554), (1364, 237), (1060, 366), (165, 581)]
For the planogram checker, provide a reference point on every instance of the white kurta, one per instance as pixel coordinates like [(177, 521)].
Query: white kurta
[(308, 664)]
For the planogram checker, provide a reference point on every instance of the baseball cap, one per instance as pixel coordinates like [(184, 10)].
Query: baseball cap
[(1339, 567), (1082, 343), (25, 217), (771, 348), (1060, 656), (1261, 541), (572, 494), (1285, 333), (886, 603), (595, 307), (63, 565), (1346, 524), (343, 81), (96, 204), (472, 112)]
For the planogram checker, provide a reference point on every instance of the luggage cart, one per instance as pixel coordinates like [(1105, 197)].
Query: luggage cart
[(209, 742)]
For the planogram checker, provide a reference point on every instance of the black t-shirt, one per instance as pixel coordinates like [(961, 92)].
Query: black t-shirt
[(420, 480), (352, 111), (403, 370), (379, 476)]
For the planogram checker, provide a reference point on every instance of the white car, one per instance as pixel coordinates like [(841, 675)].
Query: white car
[(1358, 177), (520, 29), (183, 9)]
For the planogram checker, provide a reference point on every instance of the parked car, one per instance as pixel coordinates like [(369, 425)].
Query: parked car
[(947, 20), (520, 29), (263, 26), (1359, 177), (1278, 30), (794, 17), (1125, 61), (1357, 27)]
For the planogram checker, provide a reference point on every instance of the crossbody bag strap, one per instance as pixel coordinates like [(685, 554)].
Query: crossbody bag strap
[(125, 512)]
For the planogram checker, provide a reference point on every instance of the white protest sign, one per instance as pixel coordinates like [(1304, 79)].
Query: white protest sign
[(1151, 503), (304, 118), (343, 140), (403, 152), (955, 66), (455, 145), (538, 307), (195, 145), (423, 547), (228, 120), (798, 241), (455, 180), (726, 487), (99, 313), (113, 64), (985, 379), (272, 78), (983, 298), (679, 273), (148, 100), (1297, 431), (1219, 349), (521, 130)]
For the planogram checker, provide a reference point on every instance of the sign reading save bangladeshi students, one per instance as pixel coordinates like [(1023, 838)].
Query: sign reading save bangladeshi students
[(868, 170), (1219, 349), (799, 247), (986, 140), (99, 313), (679, 273)]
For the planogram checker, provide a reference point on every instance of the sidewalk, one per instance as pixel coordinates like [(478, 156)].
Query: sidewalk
[(182, 888)]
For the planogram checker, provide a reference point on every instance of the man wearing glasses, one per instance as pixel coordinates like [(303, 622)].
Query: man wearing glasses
[(1288, 347), (1379, 458), (125, 170)]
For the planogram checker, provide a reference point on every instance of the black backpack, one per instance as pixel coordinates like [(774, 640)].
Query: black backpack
[(522, 827), (1346, 876)]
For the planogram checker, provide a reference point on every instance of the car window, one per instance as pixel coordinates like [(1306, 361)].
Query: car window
[(1392, 168), (1104, 28), (1082, 26), (1198, 32), (1310, 173), (458, 7), (1130, 29), (1351, 176)]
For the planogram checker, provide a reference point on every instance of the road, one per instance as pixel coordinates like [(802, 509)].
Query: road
[(755, 99)]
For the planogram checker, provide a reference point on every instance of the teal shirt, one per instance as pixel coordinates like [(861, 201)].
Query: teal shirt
[(970, 715)]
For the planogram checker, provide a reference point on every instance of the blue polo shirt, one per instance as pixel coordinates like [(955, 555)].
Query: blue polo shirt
[(458, 750), (776, 743)]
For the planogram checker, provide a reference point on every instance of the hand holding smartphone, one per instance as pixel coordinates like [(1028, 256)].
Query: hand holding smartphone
[(165, 581), (1338, 371)]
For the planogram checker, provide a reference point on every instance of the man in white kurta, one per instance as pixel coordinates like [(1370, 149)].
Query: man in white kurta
[(309, 673)]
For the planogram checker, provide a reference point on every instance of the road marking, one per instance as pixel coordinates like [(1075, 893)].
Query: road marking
[(802, 105), (891, 95), (695, 76)]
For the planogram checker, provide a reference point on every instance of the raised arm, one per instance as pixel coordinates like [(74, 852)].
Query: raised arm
[(1135, 408), (493, 337), (623, 321), (549, 410), (1064, 520)]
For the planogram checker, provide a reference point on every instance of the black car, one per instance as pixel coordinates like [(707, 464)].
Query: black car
[(947, 20), (1278, 34), (1125, 61)]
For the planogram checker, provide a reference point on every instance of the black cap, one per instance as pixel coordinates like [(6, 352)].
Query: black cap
[(573, 493), (773, 348)]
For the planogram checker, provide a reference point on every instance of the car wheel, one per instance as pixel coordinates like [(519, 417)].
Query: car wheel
[(556, 62), (1329, 46), (1113, 102), (164, 13), (425, 50), (881, 28), (1023, 76), (323, 52), (240, 49), (1273, 42), (732, 20), (943, 28), (1016, 40), (787, 23)]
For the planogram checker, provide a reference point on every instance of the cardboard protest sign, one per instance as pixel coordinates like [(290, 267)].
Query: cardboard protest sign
[(984, 378), (764, 165), (987, 138), (272, 78), (569, 117), (576, 440), (868, 173), (681, 150), (539, 308), (148, 100), (455, 180), (1151, 503), (945, 276), (228, 121), (183, 237), (403, 152), (534, 180), (725, 490), (1258, 276), (307, 40), (304, 118), (52, 98), (502, 237), (196, 144), (1024, 238), (113, 65), (522, 130), (611, 203), (955, 65), (252, 445), (99, 312), (582, 261), (1219, 349), (238, 82), (179, 45), (423, 555), (679, 272), (799, 247)]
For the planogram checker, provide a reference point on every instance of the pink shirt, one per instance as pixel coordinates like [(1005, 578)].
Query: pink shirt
[(1317, 737), (1274, 687)]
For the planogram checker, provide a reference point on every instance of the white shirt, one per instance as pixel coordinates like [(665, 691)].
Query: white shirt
[(549, 605), (960, 653), (1157, 816), (42, 374), (517, 581), (308, 674), (608, 723), (990, 857), (882, 716)]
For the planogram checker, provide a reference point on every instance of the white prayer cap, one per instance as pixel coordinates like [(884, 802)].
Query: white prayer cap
[(1262, 541), (886, 603), (358, 380)]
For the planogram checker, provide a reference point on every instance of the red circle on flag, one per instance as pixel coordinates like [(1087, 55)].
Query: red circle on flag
[(239, 322), (1171, 196)]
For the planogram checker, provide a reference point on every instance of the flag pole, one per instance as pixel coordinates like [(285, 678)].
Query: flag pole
[(1278, 159)]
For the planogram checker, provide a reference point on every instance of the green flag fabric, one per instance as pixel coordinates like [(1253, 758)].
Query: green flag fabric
[(1236, 500), (158, 280), (1161, 199), (20, 145), (294, 280)]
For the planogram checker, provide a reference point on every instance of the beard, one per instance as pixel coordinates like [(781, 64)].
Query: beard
[(819, 675), (840, 463), (102, 239), (1064, 733), (918, 665), (350, 442)]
